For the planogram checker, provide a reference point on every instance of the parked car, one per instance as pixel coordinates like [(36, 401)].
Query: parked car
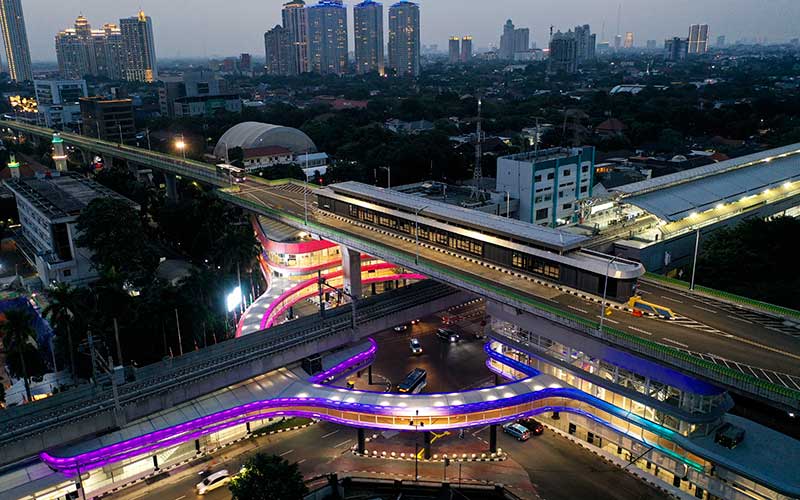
[(416, 347), (517, 431), (213, 481), (532, 425), (447, 335)]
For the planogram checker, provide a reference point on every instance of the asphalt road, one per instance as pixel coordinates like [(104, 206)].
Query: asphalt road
[(732, 335)]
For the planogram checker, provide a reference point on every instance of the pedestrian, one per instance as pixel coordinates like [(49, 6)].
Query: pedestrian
[(461, 434)]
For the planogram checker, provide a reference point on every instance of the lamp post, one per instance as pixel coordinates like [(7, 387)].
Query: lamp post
[(181, 145), (605, 291), (416, 233), (694, 260)]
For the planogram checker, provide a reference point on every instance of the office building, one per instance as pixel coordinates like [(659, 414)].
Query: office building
[(617, 43), (466, 49), (245, 64), (698, 39), (721, 41), (651, 45), (563, 52), (676, 48), (628, 44), (140, 64), (15, 40), (404, 34), (327, 37), (585, 44), (82, 51), (548, 183), (513, 41), (49, 207), (108, 119), (59, 102), (197, 93), (454, 46), (368, 23), (207, 105), (295, 22), (276, 49)]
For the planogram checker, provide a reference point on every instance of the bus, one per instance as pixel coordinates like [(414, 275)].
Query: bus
[(234, 174), (414, 381)]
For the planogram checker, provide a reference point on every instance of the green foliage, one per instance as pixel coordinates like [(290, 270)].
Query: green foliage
[(756, 259), (268, 477), (19, 342)]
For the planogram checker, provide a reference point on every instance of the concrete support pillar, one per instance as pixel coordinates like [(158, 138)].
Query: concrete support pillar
[(427, 446), (351, 265), (362, 442), (172, 187), (108, 161), (493, 438), (59, 155)]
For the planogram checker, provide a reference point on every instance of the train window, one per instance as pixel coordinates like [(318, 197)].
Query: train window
[(353, 211), (423, 233)]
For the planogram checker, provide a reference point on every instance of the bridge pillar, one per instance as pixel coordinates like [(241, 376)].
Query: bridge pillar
[(351, 266), (493, 438), (108, 161), (427, 447), (172, 187), (59, 156), (362, 442)]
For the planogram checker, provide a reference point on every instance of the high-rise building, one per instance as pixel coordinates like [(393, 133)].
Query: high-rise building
[(245, 63), (454, 50), (651, 45), (140, 64), (522, 40), (617, 43), (629, 40), (82, 51), (507, 40), (698, 39), (721, 41), (368, 23), (585, 43), (276, 48), (58, 102), (676, 48), (295, 22), (404, 44), (563, 52), (466, 49), (327, 37), (15, 39)]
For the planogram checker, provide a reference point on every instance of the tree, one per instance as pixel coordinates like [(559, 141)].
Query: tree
[(19, 339), (268, 477), (61, 310)]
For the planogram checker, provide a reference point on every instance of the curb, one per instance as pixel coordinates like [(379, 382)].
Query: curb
[(409, 457)]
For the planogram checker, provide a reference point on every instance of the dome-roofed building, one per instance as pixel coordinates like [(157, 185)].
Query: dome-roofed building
[(252, 135)]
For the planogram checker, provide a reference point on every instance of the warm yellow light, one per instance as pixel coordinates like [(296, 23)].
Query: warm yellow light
[(180, 145), (720, 206)]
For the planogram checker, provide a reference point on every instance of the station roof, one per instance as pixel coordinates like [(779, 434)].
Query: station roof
[(676, 196), (464, 217), (250, 135)]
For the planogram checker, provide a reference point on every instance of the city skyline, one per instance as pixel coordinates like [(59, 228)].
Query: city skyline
[(173, 27)]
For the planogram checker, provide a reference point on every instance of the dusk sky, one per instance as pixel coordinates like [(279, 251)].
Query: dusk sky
[(221, 28)]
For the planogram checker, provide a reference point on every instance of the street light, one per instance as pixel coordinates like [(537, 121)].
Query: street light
[(694, 260), (181, 145), (605, 291), (416, 233)]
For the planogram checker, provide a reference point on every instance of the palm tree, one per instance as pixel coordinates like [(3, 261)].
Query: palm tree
[(17, 333), (62, 308)]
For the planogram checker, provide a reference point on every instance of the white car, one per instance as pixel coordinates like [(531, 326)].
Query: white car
[(415, 346), (213, 482)]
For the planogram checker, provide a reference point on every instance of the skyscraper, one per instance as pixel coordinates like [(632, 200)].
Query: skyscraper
[(15, 39), (698, 39), (651, 45), (585, 43), (455, 50), (507, 40), (617, 42), (522, 40), (139, 48), (721, 41), (82, 51), (629, 40), (404, 46), (563, 52), (295, 22), (327, 37), (675, 48), (276, 48), (368, 23), (466, 49)]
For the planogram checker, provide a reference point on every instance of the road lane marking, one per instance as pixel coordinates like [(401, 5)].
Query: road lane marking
[(480, 430), (739, 319), (608, 319), (301, 461), (286, 453), (330, 433), (705, 309), (644, 292), (578, 309), (639, 330), (675, 342), (673, 300), (342, 443), (181, 497)]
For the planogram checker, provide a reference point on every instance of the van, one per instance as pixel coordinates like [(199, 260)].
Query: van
[(517, 431)]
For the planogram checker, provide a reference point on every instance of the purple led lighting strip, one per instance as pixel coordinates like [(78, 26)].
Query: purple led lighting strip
[(361, 358)]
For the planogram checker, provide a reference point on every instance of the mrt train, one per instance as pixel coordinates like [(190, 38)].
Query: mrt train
[(544, 253)]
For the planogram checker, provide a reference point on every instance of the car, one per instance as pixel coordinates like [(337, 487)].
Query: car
[(401, 328), (415, 346), (415, 321), (532, 425), (517, 431), (479, 336), (213, 481), (447, 335)]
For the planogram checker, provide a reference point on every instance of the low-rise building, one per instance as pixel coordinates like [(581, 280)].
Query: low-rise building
[(268, 156), (207, 105)]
